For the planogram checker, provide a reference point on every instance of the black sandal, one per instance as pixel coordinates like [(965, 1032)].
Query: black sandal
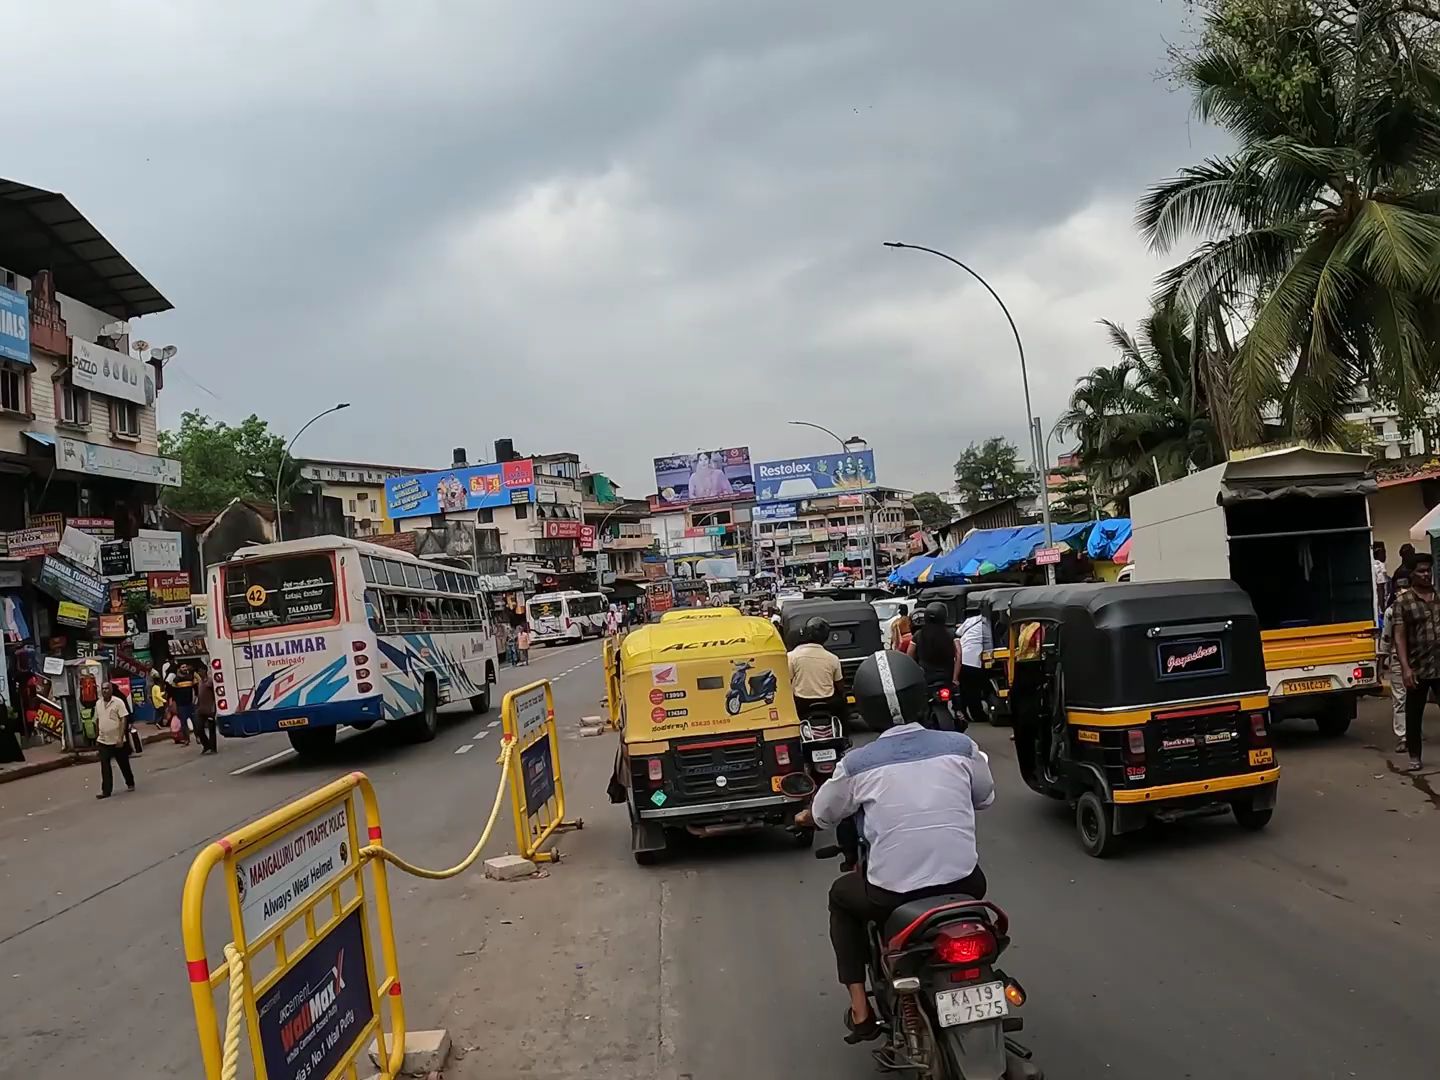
[(859, 1033)]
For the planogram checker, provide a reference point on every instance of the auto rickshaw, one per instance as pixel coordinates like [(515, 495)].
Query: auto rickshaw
[(691, 614), (709, 737), (954, 597), (854, 635), (1142, 702), (994, 606)]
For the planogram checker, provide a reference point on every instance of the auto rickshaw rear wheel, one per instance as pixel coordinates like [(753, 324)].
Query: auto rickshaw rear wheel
[(1250, 818), (1092, 822)]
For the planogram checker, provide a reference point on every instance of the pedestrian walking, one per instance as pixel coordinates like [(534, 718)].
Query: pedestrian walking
[(512, 651), (205, 729), (969, 675), (182, 693), (1400, 583), (1380, 574), (1417, 646), (522, 645), (112, 733)]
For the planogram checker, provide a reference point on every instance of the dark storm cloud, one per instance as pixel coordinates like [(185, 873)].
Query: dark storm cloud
[(624, 228)]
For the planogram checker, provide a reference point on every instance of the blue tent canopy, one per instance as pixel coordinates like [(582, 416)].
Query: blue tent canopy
[(908, 572), (1002, 548), (1108, 537)]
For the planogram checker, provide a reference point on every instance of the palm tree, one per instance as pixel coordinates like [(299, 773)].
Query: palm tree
[(1323, 228), (1145, 415)]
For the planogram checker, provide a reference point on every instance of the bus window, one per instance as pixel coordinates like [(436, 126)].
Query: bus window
[(374, 609), (412, 575), (392, 611), (427, 578), (288, 590), (395, 572), (374, 570)]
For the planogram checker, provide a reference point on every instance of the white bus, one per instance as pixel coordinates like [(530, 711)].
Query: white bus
[(307, 636), (566, 616)]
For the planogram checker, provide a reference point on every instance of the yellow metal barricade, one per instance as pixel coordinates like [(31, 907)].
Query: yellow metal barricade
[(537, 790), (609, 657), (304, 984)]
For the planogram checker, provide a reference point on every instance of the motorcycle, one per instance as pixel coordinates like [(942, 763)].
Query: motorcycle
[(943, 714), (943, 1004), (761, 687), (822, 741)]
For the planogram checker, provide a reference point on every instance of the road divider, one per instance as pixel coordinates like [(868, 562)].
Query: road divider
[(537, 788)]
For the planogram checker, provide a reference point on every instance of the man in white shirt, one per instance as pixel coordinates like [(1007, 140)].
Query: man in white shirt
[(112, 733), (974, 638)]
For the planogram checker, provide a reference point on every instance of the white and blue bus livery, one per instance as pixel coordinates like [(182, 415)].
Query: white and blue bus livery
[(307, 636), (566, 616)]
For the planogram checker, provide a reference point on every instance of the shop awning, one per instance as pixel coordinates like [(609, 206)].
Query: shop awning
[(1107, 537), (41, 437), (908, 573), (989, 551)]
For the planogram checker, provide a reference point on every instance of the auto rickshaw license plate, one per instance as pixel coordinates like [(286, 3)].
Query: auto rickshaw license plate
[(1305, 686), (971, 1004), (1264, 756)]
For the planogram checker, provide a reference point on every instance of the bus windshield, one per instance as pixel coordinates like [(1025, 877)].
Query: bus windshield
[(287, 591)]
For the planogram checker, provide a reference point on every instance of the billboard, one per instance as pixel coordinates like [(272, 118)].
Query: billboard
[(682, 479), (476, 487), (810, 477)]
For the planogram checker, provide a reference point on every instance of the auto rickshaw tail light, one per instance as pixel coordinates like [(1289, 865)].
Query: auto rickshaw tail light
[(965, 943), (1257, 725), (782, 755), (654, 770), (1135, 743)]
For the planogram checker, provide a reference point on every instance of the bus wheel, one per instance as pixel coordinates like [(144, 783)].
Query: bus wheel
[(427, 725), (312, 742), (1092, 822), (480, 703)]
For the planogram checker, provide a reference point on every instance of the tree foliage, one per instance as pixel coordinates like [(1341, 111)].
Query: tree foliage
[(220, 462), (1320, 235), (989, 471), (933, 510), (1147, 413)]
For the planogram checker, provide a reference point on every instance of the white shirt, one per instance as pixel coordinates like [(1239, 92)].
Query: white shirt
[(972, 634), (110, 719), (917, 791)]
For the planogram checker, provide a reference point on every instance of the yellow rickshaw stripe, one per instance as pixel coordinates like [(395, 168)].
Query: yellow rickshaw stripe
[(1130, 717), (1198, 787)]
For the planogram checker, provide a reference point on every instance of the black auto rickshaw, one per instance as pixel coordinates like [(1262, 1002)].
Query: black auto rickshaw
[(854, 634), (954, 597), (1146, 701), (993, 605)]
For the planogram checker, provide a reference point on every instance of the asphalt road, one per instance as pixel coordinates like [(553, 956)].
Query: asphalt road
[(1206, 952)]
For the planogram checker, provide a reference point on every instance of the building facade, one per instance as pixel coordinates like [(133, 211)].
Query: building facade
[(360, 487), (818, 537)]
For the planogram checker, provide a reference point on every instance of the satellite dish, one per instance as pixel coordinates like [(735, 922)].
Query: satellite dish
[(138, 346)]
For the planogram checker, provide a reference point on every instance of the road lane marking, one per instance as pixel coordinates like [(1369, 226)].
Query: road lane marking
[(493, 724), (481, 734), (465, 749), (263, 761)]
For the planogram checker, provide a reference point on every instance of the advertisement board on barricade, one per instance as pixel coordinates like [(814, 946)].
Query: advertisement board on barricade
[(537, 790), (311, 989)]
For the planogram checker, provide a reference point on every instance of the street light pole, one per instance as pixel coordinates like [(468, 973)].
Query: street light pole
[(280, 469), (600, 547), (869, 518), (1031, 421)]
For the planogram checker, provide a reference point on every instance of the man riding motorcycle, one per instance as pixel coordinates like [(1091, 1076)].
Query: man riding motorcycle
[(917, 791), (816, 678)]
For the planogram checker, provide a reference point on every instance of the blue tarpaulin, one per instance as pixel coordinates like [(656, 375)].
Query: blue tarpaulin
[(1107, 538), (988, 551), (908, 572)]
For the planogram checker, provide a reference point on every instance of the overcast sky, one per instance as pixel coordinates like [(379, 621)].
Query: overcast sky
[(620, 227)]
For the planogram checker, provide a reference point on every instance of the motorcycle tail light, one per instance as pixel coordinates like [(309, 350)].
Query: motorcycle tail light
[(654, 770), (944, 694), (966, 943), (782, 754)]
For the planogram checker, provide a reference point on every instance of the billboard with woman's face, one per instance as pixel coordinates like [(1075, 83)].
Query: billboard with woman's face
[(704, 476)]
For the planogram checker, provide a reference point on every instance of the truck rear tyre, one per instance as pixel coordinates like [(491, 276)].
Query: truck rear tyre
[(1335, 720), (312, 742), (425, 726)]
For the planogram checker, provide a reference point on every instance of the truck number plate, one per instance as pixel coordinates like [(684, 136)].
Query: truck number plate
[(1306, 686), (971, 1004)]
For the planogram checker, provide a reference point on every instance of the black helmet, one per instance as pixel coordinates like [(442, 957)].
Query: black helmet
[(937, 612), (917, 618), (890, 689), (816, 631)]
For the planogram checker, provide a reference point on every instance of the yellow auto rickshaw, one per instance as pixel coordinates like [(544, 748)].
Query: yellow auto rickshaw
[(692, 614), (709, 737)]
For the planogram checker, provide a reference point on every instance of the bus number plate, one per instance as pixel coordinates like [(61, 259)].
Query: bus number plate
[(1305, 686), (294, 721)]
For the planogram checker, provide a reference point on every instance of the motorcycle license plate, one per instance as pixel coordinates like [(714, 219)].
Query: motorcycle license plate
[(823, 755), (971, 1004)]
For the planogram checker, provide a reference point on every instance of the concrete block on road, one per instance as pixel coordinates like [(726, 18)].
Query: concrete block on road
[(508, 867), (425, 1052)]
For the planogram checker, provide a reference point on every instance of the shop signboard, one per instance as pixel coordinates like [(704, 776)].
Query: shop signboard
[(809, 477), (189, 643), (69, 613), (15, 326), (520, 495), (780, 511), (588, 535), (115, 559), (29, 543), (101, 527), (705, 476), (168, 587), (112, 626), (49, 716), (851, 500), (562, 529), (79, 547), (155, 550), (73, 455), (475, 487), (11, 579), (65, 580), (1048, 556), (168, 619), (105, 371)]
